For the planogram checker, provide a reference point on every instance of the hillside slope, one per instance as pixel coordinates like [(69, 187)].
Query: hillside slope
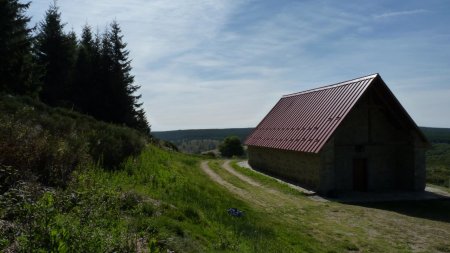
[(163, 200), (159, 200)]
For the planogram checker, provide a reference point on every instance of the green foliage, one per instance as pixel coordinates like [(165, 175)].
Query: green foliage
[(85, 88), (158, 202), (196, 141), (90, 76), (231, 146), (117, 102), (161, 201), (197, 146), (438, 164), (47, 144), (55, 52), (16, 65)]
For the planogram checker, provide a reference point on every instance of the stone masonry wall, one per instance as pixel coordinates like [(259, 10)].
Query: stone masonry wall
[(374, 133), (302, 168)]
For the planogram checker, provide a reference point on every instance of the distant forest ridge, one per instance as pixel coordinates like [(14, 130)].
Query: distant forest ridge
[(435, 135), (201, 134)]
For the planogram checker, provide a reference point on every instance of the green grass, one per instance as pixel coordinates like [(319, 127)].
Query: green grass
[(162, 200), (403, 226), (159, 198), (265, 180)]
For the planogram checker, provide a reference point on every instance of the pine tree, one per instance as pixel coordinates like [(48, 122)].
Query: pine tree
[(122, 103), (55, 52), (71, 44), (16, 65), (84, 79)]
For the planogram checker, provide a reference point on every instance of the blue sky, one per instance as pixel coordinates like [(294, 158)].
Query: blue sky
[(220, 64)]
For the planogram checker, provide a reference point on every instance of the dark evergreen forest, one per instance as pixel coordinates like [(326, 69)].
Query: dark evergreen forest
[(90, 74)]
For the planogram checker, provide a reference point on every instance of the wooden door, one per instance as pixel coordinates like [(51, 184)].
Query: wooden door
[(360, 174)]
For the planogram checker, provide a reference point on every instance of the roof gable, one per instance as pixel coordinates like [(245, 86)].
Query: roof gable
[(304, 121)]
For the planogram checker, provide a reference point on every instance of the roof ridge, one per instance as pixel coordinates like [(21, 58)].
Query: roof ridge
[(333, 85)]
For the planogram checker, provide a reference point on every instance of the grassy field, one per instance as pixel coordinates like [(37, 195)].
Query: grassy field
[(159, 200), (162, 200), (66, 185), (411, 226)]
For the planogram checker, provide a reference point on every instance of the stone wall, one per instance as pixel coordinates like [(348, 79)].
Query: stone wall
[(372, 131), (301, 168)]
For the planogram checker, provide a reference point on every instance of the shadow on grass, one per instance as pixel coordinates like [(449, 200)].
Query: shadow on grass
[(437, 209)]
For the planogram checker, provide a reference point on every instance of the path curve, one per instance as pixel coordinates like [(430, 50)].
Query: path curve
[(235, 190), (226, 165)]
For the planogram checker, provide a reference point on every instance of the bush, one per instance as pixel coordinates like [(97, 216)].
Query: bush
[(39, 143), (111, 145), (231, 146)]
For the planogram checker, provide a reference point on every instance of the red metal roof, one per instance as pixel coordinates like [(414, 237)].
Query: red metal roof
[(304, 121)]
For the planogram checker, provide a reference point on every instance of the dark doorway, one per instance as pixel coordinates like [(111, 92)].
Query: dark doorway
[(360, 174)]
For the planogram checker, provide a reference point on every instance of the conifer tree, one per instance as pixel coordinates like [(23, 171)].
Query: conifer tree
[(55, 52), (16, 66), (84, 79), (121, 101)]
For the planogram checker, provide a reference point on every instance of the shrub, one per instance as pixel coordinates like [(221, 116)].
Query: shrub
[(231, 146), (111, 145), (46, 144)]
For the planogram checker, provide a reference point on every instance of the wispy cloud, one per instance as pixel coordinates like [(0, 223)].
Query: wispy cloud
[(400, 13), (208, 63)]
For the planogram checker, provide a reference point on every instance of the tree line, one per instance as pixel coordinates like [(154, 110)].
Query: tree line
[(91, 74)]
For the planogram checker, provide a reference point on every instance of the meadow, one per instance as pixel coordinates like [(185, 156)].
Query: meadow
[(161, 200), (89, 186)]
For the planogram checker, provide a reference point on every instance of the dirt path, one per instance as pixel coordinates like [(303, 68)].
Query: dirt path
[(361, 225), (238, 191), (265, 198), (253, 191), (226, 165)]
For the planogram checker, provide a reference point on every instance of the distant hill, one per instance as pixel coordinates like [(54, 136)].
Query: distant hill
[(435, 135), (200, 140), (201, 134), (196, 141)]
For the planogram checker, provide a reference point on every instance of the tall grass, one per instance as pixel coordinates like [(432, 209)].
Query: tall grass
[(158, 200)]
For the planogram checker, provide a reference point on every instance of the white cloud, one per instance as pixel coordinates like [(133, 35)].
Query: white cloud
[(207, 63), (400, 13)]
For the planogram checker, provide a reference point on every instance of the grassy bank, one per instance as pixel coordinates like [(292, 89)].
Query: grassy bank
[(158, 200), (73, 184), (161, 200)]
